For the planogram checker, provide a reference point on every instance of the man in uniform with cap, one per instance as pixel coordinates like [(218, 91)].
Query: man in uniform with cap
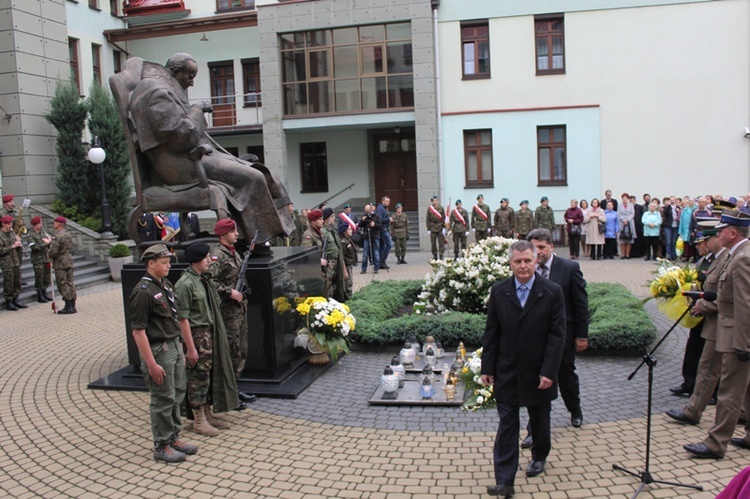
[(732, 340), (225, 268), (435, 225), (524, 220), (10, 263), (544, 216), (504, 220), (61, 253), (39, 242), (459, 226), (335, 272), (157, 332), (349, 250), (211, 379), (400, 231), (480, 219), (9, 209)]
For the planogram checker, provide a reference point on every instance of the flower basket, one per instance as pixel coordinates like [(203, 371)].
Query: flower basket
[(326, 328)]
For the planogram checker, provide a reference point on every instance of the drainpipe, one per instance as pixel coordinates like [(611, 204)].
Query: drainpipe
[(439, 146)]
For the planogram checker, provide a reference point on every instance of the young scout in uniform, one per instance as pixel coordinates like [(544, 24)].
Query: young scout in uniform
[(459, 226), (60, 251), (211, 379), (544, 217), (10, 263), (480, 219), (39, 241), (224, 270), (524, 220), (157, 333), (349, 250), (504, 220), (400, 231), (435, 224)]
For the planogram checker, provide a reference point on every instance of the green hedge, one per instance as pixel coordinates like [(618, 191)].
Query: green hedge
[(618, 321)]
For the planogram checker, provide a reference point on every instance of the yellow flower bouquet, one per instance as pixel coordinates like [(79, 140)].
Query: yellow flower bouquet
[(327, 326), (667, 288)]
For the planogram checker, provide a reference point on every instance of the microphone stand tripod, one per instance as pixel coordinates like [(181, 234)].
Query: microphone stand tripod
[(645, 476)]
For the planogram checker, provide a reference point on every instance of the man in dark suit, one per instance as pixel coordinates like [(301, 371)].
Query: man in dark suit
[(567, 274), (522, 349)]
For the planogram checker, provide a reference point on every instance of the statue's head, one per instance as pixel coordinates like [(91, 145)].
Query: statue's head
[(184, 68)]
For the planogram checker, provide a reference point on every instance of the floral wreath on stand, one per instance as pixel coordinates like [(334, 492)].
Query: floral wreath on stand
[(667, 287), (327, 324)]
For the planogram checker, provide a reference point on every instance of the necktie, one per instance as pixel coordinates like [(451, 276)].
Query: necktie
[(523, 293), (544, 271), (172, 305)]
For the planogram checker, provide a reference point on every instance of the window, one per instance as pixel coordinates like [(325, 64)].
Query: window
[(251, 79), (96, 61), (475, 49), (117, 61), (314, 167), (222, 93), (348, 70), (551, 155), (478, 158), (550, 44), (114, 6), (73, 56), (94, 4), (222, 5)]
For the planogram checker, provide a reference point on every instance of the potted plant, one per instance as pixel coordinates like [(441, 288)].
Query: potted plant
[(119, 255)]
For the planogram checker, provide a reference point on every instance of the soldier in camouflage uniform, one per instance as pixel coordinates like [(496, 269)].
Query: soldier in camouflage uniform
[(480, 219), (39, 241), (459, 226), (335, 268), (544, 217), (10, 264), (524, 220), (225, 267), (61, 253), (400, 233), (504, 220), (9, 208), (435, 224), (211, 379), (349, 250)]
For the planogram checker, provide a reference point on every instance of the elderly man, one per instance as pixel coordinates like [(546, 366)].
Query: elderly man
[(171, 133), (522, 348)]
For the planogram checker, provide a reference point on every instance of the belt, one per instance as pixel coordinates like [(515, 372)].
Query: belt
[(200, 329), (154, 341)]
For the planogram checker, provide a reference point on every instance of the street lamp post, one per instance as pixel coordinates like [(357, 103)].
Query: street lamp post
[(97, 155)]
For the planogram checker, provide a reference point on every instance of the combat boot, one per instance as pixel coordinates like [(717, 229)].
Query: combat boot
[(19, 305), (45, 296), (184, 447), (67, 309), (10, 306), (214, 421), (167, 453), (201, 424), (40, 297), (73, 306)]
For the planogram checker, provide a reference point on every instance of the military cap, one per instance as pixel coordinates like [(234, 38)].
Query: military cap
[(347, 206), (224, 226), (314, 215), (525, 201), (342, 228), (196, 252), (433, 197), (736, 218), (458, 201), (505, 200), (480, 197), (61, 220), (544, 198), (155, 251), (327, 212), (720, 205), (8, 198), (398, 205), (36, 220), (7, 219)]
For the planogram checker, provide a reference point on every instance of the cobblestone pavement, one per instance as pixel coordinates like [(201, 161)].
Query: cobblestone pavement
[(59, 439)]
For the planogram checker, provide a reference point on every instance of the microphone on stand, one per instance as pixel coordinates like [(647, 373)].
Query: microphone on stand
[(697, 295)]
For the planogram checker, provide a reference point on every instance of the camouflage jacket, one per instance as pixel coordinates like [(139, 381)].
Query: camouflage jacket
[(61, 250), (477, 221), (8, 255), (504, 218), (223, 271), (349, 249), (39, 250), (433, 223), (544, 218), (311, 238), (456, 224), (524, 222), (400, 226)]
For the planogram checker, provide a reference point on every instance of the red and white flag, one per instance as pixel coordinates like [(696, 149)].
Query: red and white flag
[(345, 218)]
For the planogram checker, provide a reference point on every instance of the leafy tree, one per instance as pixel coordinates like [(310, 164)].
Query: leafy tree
[(68, 115), (104, 122)]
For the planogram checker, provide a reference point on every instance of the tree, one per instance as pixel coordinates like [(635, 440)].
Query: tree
[(68, 115), (104, 122)]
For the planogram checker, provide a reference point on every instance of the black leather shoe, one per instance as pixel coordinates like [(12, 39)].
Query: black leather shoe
[(700, 451), (384, 266), (241, 407), (501, 490), (10, 306), (247, 397), (576, 420), (712, 401), (528, 442), (678, 415), (535, 468), (19, 305), (740, 442), (681, 391)]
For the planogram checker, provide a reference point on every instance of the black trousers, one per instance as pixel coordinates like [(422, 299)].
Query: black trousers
[(574, 244), (693, 351), (651, 246), (506, 452)]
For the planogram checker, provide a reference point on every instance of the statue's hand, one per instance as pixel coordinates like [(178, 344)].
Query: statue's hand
[(206, 107)]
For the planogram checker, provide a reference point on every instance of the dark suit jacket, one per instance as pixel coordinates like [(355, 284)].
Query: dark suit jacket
[(522, 344), (567, 274)]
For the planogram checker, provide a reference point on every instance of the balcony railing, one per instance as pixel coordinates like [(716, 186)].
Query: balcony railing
[(233, 110)]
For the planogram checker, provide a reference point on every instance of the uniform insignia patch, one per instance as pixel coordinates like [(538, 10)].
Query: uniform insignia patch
[(157, 296)]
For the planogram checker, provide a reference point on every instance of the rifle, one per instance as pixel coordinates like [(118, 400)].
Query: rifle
[(325, 247), (240, 284)]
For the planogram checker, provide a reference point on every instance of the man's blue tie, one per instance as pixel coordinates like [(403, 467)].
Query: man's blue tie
[(523, 293)]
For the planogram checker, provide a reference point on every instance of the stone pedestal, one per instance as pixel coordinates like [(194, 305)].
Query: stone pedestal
[(274, 367)]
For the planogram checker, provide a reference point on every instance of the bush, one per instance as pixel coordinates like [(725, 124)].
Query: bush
[(119, 250), (449, 329), (378, 302), (618, 321)]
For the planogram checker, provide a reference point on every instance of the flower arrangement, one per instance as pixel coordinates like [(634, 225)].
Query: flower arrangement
[(463, 284), (667, 287), (480, 395), (282, 305), (327, 325)]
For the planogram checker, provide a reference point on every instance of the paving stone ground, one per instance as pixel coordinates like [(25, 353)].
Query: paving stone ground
[(59, 439)]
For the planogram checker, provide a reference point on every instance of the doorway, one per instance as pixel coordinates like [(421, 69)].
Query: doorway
[(396, 168)]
